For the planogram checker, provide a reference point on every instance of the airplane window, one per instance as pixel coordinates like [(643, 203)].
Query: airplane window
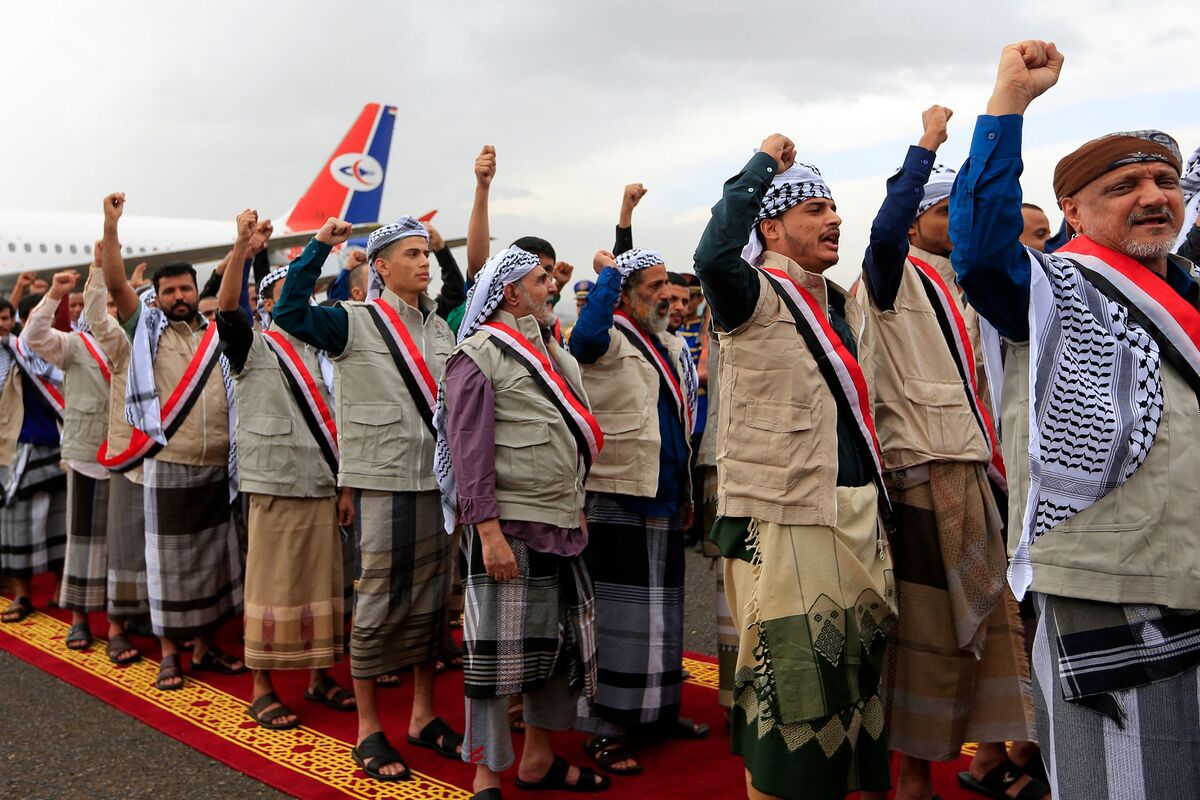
[(42, 247), (74, 249), (141, 249), (28, 247), (128, 251), (12, 247), (58, 248), (87, 249)]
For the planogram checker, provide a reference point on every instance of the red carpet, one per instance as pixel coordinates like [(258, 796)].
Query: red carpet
[(313, 761)]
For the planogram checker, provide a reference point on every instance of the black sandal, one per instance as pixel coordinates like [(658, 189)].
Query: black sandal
[(217, 660), (336, 701), (686, 729), (608, 750), (438, 730), (555, 779), (79, 633), (998, 780), (488, 794), (120, 644), (258, 712), (169, 667), (376, 750), (19, 606)]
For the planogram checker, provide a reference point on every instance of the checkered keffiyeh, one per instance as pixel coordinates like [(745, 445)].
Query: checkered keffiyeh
[(631, 261), (789, 189), (937, 188), (273, 277), (380, 238), (1190, 183)]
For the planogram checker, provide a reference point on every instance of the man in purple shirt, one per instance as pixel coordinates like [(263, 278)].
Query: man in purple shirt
[(517, 439)]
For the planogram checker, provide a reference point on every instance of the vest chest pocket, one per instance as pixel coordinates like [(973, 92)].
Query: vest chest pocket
[(264, 447), (777, 429), (620, 436), (950, 424), (373, 434), (521, 457)]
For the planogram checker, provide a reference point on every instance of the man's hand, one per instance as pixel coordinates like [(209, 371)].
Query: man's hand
[(934, 119), (436, 242), (62, 284), (562, 275), (485, 167), (1027, 69), (345, 507), (247, 223), (498, 558), (262, 234), (689, 515), (781, 148), (633, 195), (26, 279), (356, 258), (603, 259), (139, 279), (333, 232), (114, 206)]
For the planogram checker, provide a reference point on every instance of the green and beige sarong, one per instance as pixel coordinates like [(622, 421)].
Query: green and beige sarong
[(814, 610)]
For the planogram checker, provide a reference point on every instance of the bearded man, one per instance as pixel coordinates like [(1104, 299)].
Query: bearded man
[(1100, 424)]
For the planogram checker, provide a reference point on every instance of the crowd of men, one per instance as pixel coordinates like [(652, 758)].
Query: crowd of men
[(951, 504)]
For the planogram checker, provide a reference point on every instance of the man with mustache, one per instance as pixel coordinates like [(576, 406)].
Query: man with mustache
[(678, 297), (1100, 424), (960, 646), (193, 560), (642, 393), (807, 571)]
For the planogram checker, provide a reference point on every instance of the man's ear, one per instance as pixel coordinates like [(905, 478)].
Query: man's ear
[(1070, 209), (382, 268), (769, 229)]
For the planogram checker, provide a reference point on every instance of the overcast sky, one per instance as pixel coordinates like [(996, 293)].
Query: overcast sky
[(201, 109)]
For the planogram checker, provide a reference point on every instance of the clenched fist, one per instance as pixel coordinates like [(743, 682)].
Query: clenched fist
[(1027, 69), (603, 259), (934, 120), (485, 166), (247, 222), (333, 232), (781, 148)]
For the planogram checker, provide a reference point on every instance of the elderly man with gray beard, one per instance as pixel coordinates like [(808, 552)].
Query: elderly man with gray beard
[(643, 395), (1099, 420)]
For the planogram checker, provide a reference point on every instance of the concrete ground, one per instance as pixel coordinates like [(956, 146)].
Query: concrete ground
[(58, 742)]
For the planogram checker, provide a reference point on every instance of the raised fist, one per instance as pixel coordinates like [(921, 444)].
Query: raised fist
[(62, 284), (1027, 69), (781, 148), (356, 258), (436, 242), (634, 193), (262, 234), (934, 120), (138, 278), (485, 166), (26, 279), (247, 221), (562, 274), (333, 232), (114, 205), (603, 259)]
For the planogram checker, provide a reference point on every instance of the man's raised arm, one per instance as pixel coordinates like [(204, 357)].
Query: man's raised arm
[(630, 198), (985, 206), (326, 328), (112, 263), (478, 233)]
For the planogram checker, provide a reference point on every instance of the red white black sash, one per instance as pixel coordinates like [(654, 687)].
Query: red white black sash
[(48, 391), (670, 380), (958, 339), (408, 358), (841, 370), (1170, 319), (90, 344), (174, 411), (307, 394), (581, 423)]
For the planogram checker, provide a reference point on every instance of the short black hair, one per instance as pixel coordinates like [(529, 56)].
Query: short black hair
[(1031, 205), (677, 279), (5, 305), (26, 304), (172, 270), (539, 247)]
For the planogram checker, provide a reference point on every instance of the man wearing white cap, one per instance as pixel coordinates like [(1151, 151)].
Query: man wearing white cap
[(958, 671), (389, 353), (807, 570)]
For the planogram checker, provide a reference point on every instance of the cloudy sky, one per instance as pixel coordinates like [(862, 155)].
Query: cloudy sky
[(198, 110)]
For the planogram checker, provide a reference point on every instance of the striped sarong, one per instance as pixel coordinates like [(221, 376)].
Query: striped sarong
[(126, 528), (400, 614), (958, 671), (294, 607), (518, 633), (85, 568), (727, 634), (1153, 753), (637, 568), (33, 526), (193, 567)]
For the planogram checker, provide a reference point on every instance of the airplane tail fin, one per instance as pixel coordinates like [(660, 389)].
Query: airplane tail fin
[(350, 185)]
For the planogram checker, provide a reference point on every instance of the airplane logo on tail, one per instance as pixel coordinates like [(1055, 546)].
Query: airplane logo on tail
[(357, 171)]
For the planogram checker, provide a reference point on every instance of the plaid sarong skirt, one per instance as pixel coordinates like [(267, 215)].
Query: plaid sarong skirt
[(85, 570), (33, 525), (193, 567), (126, 535), (518, 633)]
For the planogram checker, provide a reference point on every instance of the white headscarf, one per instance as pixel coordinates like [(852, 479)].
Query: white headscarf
[(1190, 183), (790, 188), (634, 260), (937, 188), (380, 238)]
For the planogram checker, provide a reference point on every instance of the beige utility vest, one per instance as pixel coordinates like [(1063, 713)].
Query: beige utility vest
[(85, 421), (706, 456), (539, 472), (384, 442), (1137, 544), (922, 413), (119, 431), (12, 415), (277, 454), (623, 387), (777, 424), (203, 437)]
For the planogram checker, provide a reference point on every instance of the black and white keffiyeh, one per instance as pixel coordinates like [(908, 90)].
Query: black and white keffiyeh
[(40, 367), (380, 238), (636, 259), (937, 188), (1190, 183), (507, 266), (273, 277), (788, 189), (1095, 400)]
